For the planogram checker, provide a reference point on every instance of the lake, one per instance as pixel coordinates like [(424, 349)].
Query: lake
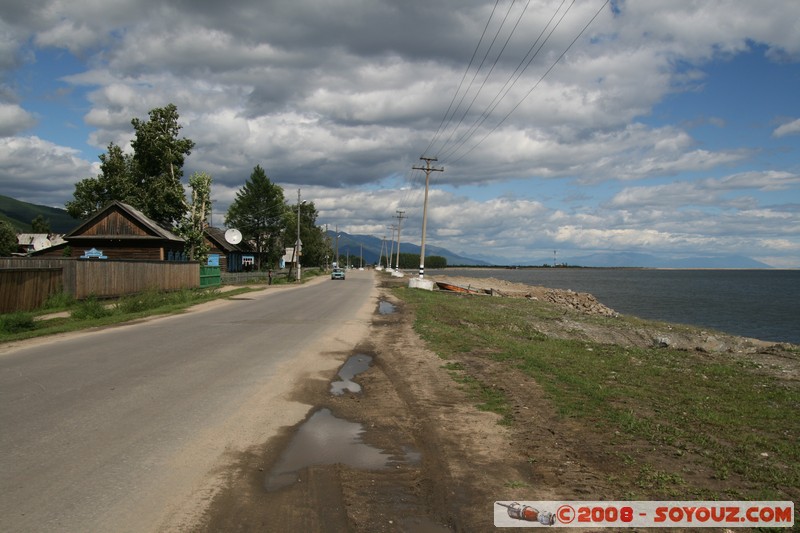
[(762, 304)]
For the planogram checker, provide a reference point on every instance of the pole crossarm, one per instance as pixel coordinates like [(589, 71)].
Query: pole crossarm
[(427, 169)]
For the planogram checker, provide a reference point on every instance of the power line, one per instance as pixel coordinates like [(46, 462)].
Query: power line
[(460, 84), (535, 85), (518, 72)]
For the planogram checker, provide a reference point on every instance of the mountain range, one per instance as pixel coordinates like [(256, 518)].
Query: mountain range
[(20, 214)]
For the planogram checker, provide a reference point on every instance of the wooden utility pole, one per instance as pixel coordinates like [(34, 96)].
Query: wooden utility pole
[(399, 218), (427, 169)]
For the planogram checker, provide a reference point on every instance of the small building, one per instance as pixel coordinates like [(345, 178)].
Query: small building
[(229, 257), (120, 231), (34, 242)]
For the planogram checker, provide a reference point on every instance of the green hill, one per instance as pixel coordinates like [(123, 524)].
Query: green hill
[(20, 214)]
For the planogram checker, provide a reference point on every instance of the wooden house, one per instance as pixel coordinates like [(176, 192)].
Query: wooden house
[(229, 257), (120, 231)]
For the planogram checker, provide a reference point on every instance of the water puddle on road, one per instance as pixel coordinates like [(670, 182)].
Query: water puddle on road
[(352, 367), (386, 308), (325, 440)]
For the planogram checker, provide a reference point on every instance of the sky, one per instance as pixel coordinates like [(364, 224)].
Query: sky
[(666, 127)]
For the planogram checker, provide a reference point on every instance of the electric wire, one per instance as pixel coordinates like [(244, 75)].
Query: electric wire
[(515, 76), (475, 75), (461, 83), (583, 30)]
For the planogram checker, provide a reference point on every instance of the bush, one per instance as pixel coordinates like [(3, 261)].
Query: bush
[(59, 300), (136, 303), (17, 322), (90, 308)]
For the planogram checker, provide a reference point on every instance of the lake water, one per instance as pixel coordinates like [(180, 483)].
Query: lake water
[(762, 304)]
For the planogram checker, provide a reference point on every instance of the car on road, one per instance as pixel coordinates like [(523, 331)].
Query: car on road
[(337, 273)]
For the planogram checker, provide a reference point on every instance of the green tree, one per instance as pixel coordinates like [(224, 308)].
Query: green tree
[(193, 224), (115, 182), (258, 212), (159, 155), (8, 239), (316, 249), (149, 179), (40, 224)]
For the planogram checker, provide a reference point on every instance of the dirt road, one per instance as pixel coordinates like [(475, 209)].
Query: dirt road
[(444, 463)]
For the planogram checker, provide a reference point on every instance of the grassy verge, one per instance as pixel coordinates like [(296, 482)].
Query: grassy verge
[(77, 315), (738, 422), (92, 312)]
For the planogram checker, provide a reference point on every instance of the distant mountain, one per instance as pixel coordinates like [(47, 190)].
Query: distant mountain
[(633, 259), (20, 214), (371, 246)]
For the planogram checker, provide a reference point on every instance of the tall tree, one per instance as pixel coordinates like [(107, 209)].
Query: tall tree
[(258, 212), (159, 155), (149, 179), (8, 239), (316, 249), (193, 224), (115, 182), (40, 224)]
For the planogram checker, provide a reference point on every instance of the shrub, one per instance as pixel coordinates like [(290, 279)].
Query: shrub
[(17, 322), (90, 308), (59, 300)]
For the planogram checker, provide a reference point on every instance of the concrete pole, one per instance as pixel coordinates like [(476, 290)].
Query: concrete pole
[(428, 169)]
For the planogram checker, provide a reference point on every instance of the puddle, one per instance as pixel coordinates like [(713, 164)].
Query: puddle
[(386, 308), (352, 367), (325, 440)]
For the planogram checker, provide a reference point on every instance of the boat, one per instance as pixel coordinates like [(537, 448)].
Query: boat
[(458, 288)]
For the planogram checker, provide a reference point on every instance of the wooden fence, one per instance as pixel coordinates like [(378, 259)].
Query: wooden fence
[(83, 278), (24, 289)]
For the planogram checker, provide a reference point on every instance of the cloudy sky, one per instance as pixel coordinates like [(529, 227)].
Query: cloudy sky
[(669, 127)]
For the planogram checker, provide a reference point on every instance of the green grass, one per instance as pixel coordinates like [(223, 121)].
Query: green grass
[(726, 413), (93, 312)]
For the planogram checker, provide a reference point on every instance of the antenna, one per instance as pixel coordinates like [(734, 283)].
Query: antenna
[(233, 236)]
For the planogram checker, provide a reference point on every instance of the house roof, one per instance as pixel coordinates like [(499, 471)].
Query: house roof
[(217, 235), (152, 227)]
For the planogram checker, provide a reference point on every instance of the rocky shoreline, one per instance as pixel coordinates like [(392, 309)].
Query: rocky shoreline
[(582, 302), (588, 319)]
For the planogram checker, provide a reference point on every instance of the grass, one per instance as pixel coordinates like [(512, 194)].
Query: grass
[(738, 422), (93, 312)]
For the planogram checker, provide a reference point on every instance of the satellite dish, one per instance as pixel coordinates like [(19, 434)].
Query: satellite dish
[(40, 243), (233, 236)]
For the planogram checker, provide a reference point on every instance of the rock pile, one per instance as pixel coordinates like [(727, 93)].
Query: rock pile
[(579, 301), (582, 302)]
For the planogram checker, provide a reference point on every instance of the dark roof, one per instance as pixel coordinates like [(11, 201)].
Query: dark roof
[(217, 235), (155, 228)]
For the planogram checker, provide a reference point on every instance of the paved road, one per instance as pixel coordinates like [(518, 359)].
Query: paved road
[(116, 430)]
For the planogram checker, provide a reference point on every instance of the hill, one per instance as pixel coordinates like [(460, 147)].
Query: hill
[(355, 245), (20, 214)]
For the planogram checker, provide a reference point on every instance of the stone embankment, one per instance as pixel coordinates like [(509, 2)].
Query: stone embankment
[(579, 301)]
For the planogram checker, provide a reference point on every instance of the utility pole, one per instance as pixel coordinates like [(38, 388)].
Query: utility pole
[(399, 218), (391, 249), (337, 246), (427, 169), (297, 244), (380, 256)]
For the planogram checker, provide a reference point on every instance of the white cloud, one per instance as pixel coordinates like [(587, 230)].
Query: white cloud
[(14, 119), (336, 97), (790, 128), (22, 160)]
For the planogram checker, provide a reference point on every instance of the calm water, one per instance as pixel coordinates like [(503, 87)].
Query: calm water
[(763, 304)]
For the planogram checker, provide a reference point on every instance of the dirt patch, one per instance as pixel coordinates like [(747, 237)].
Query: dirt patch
[(412, 406)]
